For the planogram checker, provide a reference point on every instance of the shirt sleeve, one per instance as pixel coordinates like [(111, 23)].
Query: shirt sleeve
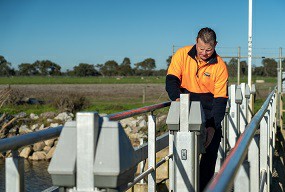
[(174, 75)]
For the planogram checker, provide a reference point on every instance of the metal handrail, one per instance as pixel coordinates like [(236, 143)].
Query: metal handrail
[(17, 142), (138, 111), (14, 143), (148, 171), (224, 179)]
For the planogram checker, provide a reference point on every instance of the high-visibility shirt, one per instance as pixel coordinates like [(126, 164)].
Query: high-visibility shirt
[(206, 81), (199, 76)]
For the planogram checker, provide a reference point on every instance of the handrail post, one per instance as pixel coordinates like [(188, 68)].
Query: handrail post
[(253, 154), (87, 134), (14, 173), (264, 143), (185, 124), (271, 137), (151, 153), (233, 128)]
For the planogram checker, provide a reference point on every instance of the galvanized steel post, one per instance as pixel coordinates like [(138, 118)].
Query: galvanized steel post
[(87, 133), (151, 153), (233, 128), (14, 178)]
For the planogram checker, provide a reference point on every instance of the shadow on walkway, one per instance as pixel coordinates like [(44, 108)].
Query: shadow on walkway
[(278, 175)]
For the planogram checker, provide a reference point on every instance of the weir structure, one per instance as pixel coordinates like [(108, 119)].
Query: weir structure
[(95, 154)]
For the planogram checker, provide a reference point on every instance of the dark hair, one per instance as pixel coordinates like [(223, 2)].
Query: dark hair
[(207, 35)]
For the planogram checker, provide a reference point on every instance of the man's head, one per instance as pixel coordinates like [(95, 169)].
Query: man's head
[(206, 43)]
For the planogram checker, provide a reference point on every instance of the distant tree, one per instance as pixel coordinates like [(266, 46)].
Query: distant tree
[(84, 69), (125, 68), (232, 67), (27, 69), (5, 67), (160, 72), (110, 68), (259, 71), (270, 67), (147, 64), (46, 67)]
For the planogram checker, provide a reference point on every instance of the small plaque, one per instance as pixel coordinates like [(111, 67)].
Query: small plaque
[(183, 154)]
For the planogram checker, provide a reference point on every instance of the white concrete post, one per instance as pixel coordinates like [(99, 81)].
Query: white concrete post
[(264, 144), (151, 153), (243, 109), (241, 183), (253, 158), (14, 173), (87, 135), (233, 132), (184, 151)]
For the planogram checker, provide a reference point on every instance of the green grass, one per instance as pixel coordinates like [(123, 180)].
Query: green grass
[(36, 109), (80, 80), (106, 80)]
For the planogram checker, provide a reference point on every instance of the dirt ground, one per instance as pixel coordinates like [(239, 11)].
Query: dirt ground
[(107, 92)]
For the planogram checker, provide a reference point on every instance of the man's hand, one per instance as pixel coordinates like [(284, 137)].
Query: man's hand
[(210, 131)]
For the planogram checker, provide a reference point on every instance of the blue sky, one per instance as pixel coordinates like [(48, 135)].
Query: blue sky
[(70, 32)]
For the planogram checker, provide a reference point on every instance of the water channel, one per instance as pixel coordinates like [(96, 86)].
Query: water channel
[(36, 176)]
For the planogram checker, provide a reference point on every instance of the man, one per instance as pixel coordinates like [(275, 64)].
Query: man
[(200, 71)]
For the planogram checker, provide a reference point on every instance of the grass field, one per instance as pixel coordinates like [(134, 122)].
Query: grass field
[(17, 80), (104, 94)]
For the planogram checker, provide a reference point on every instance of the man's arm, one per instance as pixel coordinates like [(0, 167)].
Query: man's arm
[(218, 111), (173, 87)]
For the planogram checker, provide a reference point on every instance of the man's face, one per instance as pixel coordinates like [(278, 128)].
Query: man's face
[(204, 50)]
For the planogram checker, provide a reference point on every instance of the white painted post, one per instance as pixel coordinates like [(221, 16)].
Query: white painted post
[(253, 158), (142, 163), (233, 132), (243, 109), (14, 173), (171, 162), (87, 133), (151, 153), (264, 144), (242, 178), (184, 150)]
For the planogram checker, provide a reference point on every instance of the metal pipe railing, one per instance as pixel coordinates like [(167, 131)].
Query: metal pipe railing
[(14, 143), (138, 111), (148, 171), (17, 142), (224, 179)]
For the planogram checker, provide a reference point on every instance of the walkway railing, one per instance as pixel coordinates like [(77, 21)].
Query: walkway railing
[(100, 155), (15, 166), (248, 167)]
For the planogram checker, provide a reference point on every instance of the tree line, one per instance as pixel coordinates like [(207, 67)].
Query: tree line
[(267, 69), (146, 67)]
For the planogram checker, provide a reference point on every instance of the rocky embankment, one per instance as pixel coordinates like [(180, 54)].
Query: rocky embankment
[(22, 123)]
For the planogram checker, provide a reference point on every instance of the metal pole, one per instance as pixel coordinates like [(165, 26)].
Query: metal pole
[(151, 153), (87, 133), (142, 163), (238, 69), (250, 56), (249, 41), (279, 88), (14, 173)]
